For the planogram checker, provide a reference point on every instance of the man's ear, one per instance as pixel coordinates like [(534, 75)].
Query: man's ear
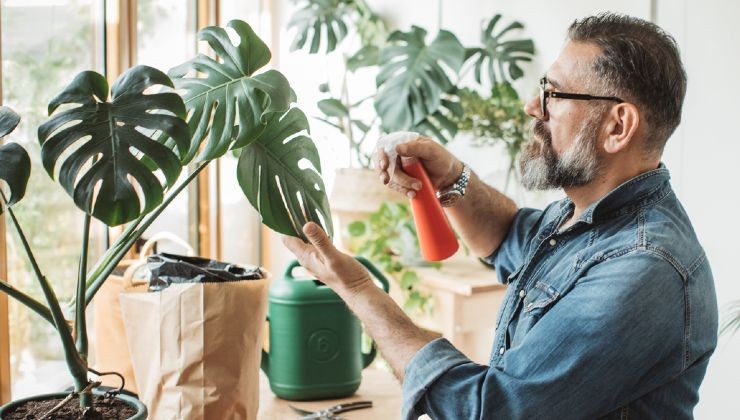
[(622, 124)]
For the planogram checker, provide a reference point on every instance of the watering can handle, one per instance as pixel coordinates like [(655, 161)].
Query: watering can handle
[(362, 260)]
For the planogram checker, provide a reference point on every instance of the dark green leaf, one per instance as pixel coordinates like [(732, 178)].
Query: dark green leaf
[(8, 120), (500, 56), (412, 79), (98, 146), (333, 108), (15, 169), (228, 104), (280, 173)]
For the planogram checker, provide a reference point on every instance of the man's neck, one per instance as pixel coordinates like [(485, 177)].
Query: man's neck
[(610, 178)]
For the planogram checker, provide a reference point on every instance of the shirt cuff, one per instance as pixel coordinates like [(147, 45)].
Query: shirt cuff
[(427, 365)]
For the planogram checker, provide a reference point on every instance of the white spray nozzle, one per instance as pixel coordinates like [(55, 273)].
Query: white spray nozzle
[(389, 142)]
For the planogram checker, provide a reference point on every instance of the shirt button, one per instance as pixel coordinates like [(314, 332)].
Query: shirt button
[(521, 293), (501, 350), (553, 242)]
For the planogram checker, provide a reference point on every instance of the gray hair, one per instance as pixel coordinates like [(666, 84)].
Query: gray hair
[(641, 63)]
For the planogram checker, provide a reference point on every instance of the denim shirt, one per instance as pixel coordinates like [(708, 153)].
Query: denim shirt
[(613, 317)]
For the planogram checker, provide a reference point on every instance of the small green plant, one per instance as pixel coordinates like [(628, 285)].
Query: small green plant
[(388, 239), (495, 119)]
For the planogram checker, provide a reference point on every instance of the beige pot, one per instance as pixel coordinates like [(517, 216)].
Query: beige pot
[(357, 192)]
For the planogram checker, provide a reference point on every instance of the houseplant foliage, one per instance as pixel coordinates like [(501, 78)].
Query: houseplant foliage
[(498, 118), (418, 88), (119, 159)]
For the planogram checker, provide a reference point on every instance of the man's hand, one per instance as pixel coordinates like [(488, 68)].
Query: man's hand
[(334, 268), (442, 167)]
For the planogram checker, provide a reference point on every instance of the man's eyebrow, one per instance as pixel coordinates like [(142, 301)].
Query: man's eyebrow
[(553, 82)]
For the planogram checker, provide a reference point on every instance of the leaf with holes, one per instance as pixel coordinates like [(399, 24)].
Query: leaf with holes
[(286, 191), (498, 56), (229, 104), (98, 146), (412, 81), (317, 17)]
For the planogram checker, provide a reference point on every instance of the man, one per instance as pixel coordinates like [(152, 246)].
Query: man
[(610, 309)]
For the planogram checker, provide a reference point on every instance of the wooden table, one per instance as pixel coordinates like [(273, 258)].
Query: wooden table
[(378, 386)]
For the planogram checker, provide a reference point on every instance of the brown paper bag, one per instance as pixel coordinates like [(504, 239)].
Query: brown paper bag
[(196, 348), (111, 348)]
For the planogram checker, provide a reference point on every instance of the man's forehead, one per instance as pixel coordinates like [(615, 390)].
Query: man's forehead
[(573, 65)]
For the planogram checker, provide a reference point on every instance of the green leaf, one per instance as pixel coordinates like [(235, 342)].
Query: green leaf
[(229, 104), (333, 108), (361, 125), (500, 57), (317, 17), (286, 191), (412, 80), (8, 120), (356, 228), (98, 146), (367, 56), (15, 169)]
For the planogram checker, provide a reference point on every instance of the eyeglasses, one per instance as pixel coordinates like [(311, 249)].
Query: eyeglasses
[(545, 94)]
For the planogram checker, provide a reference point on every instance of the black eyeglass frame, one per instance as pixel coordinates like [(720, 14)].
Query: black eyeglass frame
[(545, 94)]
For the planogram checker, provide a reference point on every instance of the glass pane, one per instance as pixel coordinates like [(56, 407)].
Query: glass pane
[(165, 38), (44, 44)]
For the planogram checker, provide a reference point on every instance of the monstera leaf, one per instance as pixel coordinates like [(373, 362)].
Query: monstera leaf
[(228, 104), (15, 165), (441, 125), (286, 191), (99, 146), (321, 16), (412, 81), (500, 57)]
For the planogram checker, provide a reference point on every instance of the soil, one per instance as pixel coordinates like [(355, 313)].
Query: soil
[(105, 409)]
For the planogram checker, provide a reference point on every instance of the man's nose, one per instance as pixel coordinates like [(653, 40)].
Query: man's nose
[(534, 108)]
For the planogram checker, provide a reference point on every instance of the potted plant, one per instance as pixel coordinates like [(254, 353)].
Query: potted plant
[(119, 159)]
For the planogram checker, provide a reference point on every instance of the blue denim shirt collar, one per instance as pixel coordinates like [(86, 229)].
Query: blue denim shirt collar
[(627, 197)]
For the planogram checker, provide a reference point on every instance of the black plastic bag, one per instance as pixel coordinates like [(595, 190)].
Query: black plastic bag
[(167, 269)]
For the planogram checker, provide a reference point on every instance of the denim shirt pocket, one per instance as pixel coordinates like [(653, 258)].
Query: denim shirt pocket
[(536, 302), (540, 297)]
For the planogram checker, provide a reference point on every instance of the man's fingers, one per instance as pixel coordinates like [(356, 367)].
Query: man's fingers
[(405, 182), (421, 148), (318, 237)]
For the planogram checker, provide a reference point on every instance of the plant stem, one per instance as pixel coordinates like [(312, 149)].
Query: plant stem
[(80, 321), (77, 366), (114, 255), (30, 302)]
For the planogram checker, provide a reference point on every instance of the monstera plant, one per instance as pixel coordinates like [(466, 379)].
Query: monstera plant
[(119, 157)]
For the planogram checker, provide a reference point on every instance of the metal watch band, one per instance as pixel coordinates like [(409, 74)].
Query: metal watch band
[(450, 195)]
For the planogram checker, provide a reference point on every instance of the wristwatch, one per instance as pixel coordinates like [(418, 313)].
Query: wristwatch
[(450, 195)]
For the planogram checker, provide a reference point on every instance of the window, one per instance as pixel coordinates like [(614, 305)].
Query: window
[(44, 44)]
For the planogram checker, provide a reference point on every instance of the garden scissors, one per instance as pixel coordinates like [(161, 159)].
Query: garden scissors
[(330, 413)]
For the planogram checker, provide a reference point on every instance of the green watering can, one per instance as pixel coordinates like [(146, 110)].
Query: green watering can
[(315, 341)]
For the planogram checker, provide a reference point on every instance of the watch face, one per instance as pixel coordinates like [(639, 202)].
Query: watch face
[(449, 198)]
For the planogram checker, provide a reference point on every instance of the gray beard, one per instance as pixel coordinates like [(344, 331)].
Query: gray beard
[(543, 169)]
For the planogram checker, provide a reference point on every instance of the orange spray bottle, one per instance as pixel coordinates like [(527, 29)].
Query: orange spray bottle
[(437, 240)]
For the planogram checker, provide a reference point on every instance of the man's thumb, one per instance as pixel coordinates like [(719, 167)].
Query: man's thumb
[(317, 236)]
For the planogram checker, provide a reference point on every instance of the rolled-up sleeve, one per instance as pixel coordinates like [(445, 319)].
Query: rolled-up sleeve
[(587, 355), (510, 254)]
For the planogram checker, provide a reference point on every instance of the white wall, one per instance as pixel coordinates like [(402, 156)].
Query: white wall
[(702, 155)]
